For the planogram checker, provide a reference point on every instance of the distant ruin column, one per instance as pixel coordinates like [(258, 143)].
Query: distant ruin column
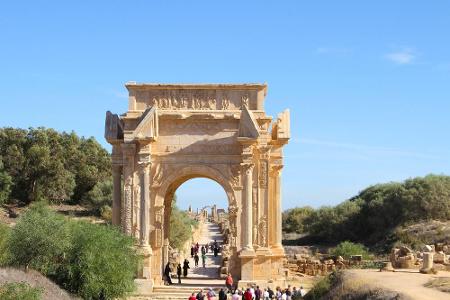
[(248, 235), (117, 194), (427, 263), (128, 171)]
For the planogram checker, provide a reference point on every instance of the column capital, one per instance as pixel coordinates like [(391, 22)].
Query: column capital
[(248, 168), (276, 169)]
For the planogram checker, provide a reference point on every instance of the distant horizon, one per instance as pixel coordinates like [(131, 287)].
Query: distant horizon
[(367, 84)]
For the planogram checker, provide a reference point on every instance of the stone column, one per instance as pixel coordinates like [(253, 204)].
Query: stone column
[(275, 207), (278, 223), (128, 171), (144, 171), (427, 263), (117, 194), (248, 189)]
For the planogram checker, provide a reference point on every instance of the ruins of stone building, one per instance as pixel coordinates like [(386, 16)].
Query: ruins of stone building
[(174, 132)]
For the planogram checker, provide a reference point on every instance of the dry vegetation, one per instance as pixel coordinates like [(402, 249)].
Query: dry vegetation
[(442, 284), (35, 279)]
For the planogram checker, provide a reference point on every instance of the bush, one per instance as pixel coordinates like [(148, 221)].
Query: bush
[(347, 249), (319, 289), (5, 183), (106, 213), (103, 262), (99, 196), (376, 212), (94, 261), (40, 240), (4, 235), (21, 290), (294, 219), (180, 228)]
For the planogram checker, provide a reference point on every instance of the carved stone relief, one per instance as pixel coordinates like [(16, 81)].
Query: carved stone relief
[(262, 231), (263, 174), (128, 195)]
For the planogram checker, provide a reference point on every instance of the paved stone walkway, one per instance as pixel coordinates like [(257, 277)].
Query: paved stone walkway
[(208, 276)]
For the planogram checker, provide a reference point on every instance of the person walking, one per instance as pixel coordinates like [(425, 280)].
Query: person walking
[(258, 293), (167, 272), (204, 260), (236, 295), (222, 295), (200, 295), (185, 267), (192, 297), (192, 251), (302, 292), (288, 293), (211, 295), (196, 258), (216, 250), (266, 295), (203, 250), (229, 282), (248, 295), (179, 273)]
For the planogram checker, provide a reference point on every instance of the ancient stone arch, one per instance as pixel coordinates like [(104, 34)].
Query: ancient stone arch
[(174, 132)]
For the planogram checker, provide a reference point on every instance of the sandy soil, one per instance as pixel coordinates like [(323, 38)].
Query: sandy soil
[(407, 282)]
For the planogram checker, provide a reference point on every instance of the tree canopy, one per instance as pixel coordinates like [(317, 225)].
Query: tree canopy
[(371, 215), (43, 164)]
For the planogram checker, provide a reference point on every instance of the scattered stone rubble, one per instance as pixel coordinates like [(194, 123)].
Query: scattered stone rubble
[(305, 265), (430, 259)]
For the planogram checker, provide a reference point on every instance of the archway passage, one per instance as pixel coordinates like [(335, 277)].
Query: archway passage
[(172, 133), (206, 197)]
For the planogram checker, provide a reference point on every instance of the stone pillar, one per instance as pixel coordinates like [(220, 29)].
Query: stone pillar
[(278, 210), (248, 189), (117, 194), (128, 171), (275, 201), (145, 204), (427, 263)]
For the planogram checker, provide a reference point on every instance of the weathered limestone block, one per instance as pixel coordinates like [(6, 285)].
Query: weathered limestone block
[(440, 258), (427, 265)]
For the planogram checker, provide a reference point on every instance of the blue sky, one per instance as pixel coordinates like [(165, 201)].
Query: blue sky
[(368, 84)]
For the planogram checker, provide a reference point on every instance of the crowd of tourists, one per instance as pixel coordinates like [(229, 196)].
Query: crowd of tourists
[(251, 293)]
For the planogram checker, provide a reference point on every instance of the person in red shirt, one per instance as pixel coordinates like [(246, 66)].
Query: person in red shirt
[(229, 282), (192, 297), (248, 295)]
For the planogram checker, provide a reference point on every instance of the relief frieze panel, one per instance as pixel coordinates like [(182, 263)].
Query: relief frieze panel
[(196, 99)]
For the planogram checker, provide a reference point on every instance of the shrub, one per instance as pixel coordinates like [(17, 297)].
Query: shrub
[(103, 262), (347, 249), (4, 235), (5, 183), (106, 213), (319, 289), (94, 261), (40, 240), (19, 290), (99, 196)]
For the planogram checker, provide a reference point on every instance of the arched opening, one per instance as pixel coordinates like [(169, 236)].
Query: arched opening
[(206, 189)]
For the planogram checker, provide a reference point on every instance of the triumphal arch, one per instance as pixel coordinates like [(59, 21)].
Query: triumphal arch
[(174, 132)]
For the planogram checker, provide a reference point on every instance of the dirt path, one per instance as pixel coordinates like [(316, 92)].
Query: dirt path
[(408, 282), (208, 276)]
